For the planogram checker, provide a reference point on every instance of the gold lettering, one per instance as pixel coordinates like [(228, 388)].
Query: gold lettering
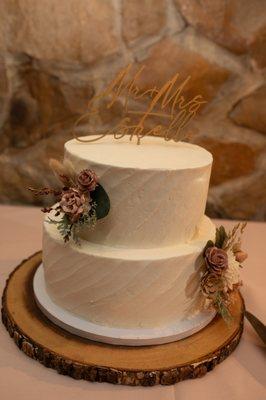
[(167, 102)]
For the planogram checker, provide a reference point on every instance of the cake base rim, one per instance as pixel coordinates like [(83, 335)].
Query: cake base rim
[(77, 325)]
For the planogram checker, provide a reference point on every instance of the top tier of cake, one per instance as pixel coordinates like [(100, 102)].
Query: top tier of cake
[(157, 189)]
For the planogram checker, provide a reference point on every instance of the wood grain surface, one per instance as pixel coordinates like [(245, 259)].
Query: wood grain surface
[(79, 358)]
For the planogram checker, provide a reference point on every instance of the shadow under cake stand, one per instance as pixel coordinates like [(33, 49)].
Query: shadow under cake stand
[(81, 358)]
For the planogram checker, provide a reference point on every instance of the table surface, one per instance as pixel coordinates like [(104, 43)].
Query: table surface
[(241, 376)]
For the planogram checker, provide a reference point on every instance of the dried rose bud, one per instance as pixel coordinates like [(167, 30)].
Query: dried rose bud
[(87, 180), (211, 283), (216, 260), (240, 256), (72, 204)]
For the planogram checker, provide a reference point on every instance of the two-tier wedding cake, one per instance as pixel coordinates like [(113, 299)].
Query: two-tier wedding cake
[(138, 269)]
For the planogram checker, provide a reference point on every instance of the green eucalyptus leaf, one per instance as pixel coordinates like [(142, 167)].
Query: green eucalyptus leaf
[(209, 244), (221, 236), (101, 198), (222, 308), (217, 237)]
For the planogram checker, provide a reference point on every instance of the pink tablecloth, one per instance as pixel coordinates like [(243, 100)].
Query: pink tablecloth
[(242, 376)]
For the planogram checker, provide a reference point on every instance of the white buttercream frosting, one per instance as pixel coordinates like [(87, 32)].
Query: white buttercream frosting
[(140, 266), (125, 287), (154, 153), (157, 189)]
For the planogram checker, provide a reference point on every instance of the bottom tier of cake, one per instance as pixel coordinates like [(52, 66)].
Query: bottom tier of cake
[(125, 288)]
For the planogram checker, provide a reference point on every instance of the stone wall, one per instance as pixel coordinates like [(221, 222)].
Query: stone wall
[(54, 55)]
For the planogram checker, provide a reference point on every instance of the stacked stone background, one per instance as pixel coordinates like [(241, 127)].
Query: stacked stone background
[(55, 55)]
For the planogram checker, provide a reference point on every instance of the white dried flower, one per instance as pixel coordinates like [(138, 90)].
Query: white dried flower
[(208, 304), (231, 275)]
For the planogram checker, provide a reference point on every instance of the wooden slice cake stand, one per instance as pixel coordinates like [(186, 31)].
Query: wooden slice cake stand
[(80, 358)]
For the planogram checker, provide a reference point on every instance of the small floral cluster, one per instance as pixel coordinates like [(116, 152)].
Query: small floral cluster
[(220, 270), (81, 201)]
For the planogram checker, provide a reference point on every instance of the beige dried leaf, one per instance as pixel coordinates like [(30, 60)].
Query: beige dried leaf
[(70, 171), (57, 167)]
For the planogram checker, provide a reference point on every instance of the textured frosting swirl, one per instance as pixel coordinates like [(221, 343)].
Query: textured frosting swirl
[(158, 190)]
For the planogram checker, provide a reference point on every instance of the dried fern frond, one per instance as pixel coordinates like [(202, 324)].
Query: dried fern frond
[(234, 236), (44, 191), (243, 226)]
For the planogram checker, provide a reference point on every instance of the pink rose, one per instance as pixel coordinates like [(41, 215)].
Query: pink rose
[(72, 204), (216, 260), (87, 180), (211, 284)]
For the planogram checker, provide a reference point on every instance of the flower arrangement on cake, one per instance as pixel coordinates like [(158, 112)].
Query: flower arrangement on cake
[(81, 201), (221, 264)]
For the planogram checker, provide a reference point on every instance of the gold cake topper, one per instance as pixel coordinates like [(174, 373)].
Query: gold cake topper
[(167, 102)]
